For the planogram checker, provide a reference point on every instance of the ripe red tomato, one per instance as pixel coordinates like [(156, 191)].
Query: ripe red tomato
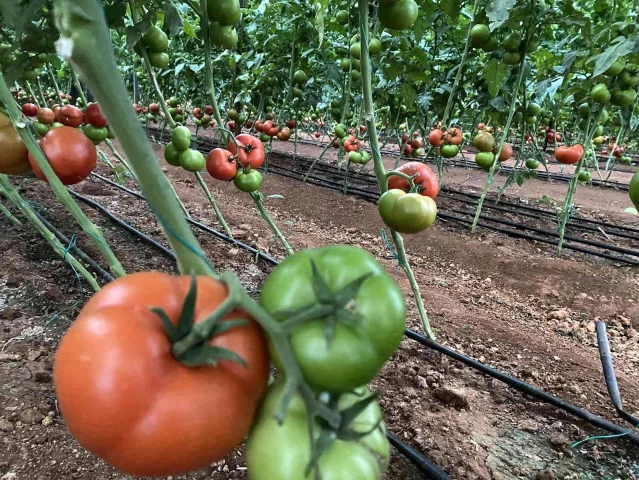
[(70, 153), (436, 137), (220, 164), (291, 124), (93, 116), (29, 110), (351, 144), (154, 108), (408, 150), (506, 152), (71, 116), (251, 150), (362, 129), (208, 110), (569, 155), (481, 126), (259, 126), (46, 116), (426, 179), (248, 124), (284, 134), (125, 397), (618, 152), (454, 136), (404, 138), (270, 128), (231, 124), (198, 113), (317, 134), (335, 143), (416, 143)]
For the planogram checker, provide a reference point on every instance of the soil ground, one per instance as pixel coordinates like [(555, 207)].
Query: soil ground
[(504, 301)]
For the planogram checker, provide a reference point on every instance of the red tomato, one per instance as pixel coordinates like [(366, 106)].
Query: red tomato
[(408, 150), (220, 164), (29, 110), (93, 116), (569, 155), (125, 397), (416, 143), (426, 179), (618, 152), (335, 143), (70, 153), (71, 116), (46, 116), (231, 124), (251, 150), (317, 134), (259, 126), (248, 124), (404, 138), (506, 152), (351, 144), (481, 126), (154, 108), (436, 137), (362, 129), (454, 136), (208, 110), (291, 124)]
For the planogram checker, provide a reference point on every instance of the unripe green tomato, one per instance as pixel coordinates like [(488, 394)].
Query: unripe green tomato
[(172, 155), (192, 160), (181, 138)]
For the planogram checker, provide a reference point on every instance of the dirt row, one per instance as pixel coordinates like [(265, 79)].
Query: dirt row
[(489, 296)]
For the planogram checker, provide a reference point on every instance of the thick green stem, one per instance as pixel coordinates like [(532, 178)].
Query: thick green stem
[(7, 213), (216, 208), (58, 188), (380, 172), (493, 169), (349, 80), (85, 43), (7, 188), (460, 70), (257, 198)]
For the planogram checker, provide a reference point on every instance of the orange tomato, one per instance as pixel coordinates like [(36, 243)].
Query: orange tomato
[(426, 179)]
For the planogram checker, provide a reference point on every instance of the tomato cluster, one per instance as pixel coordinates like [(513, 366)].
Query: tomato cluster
[(223, 15), (238, 162)]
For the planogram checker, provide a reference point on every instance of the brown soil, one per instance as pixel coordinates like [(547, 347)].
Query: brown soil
[(490, 296)]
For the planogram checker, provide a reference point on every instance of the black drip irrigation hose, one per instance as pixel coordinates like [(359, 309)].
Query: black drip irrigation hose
[(419, 460), (513, 382), (76, 251)]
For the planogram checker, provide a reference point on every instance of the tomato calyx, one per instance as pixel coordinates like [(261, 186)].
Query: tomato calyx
[(413, 188), (190, 341)]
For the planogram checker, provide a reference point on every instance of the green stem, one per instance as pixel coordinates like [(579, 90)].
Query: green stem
[(78, 86), (380, 172), (85, 42), (493, 169), (460, 70), (210, 84), (55, 83), (310, 169), (35, 99), (117, 155), (58, 188), (44, 100), (7, 188), (349, 80), (7, 212), (216, 208), (257, 198)]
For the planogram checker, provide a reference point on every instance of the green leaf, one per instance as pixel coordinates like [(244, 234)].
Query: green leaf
[(421, 56), (420, 27), (169, 328), (320, 7), (548, 88), (498, 103), (452, 8), (494, 73), (621, 46), (135, 32), (172, 19), (497, 11), (189, 30), (408, 94)]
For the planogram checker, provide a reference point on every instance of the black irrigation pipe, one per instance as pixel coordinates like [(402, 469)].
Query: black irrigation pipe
[(430, 469), (524, 387), (201, 226), (367, 195), (513, 382), (77, 252)]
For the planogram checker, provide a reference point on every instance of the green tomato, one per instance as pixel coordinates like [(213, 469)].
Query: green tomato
[(403, 109), (356, 76), (491, 45), (616, 68), (173, 102), (374, 46), (622, 98), (283, 452), (512, 42), (298, 92), (584, 176), (584, 110), (519, 116), (264, 138), (479, 35), (356, 50), (181, 138), (365, 157), (335, 103), (533, 44), (179, 118), (345, 64), (342, 17), (248, 182), (629, 78), (531, 120), (340, 130), (226, 12), (197, 122), (407, 212), (172, 155), (159, 59), (532, 163), (604, 117), (599, 131), (223, 36), (449, 151), (398, 15), (600, 93), (485, 160), (96, 135), (155, 39), (533, 109), (484, 141), (192, 160), (633, 189), (356, 64), (56, 125), (354, 157), (300, 76), (332, 343), (625, 160), (40, 128), (336, 112), (511, 58)]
